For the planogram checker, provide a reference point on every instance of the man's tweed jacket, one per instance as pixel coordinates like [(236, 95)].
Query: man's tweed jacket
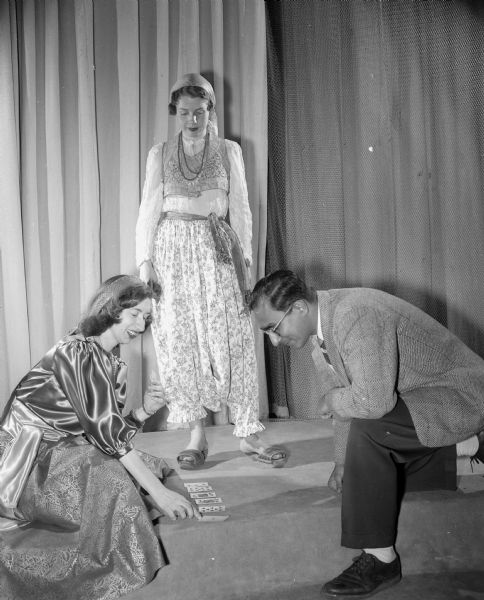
[(383, 348)]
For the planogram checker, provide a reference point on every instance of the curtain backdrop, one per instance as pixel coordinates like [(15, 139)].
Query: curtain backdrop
[(83, 96), (376, 137)]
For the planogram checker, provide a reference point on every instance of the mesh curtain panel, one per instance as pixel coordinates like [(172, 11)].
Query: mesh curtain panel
[(376, 131), (83, 96)]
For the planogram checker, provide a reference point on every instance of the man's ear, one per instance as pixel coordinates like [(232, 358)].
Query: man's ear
[(301, 306)]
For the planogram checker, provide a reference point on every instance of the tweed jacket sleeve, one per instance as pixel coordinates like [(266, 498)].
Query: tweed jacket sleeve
[(384, 348), (366, 341), (362, 345)]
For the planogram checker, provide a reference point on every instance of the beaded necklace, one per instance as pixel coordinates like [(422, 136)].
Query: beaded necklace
[(186, 166)]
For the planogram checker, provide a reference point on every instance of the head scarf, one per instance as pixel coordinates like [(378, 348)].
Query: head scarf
[(110, 290), (199, 81)]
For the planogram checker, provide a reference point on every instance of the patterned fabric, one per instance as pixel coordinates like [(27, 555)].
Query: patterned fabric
[(322, 345), (214, 175), (88, 532), (155, 201), (90, 536), (202, 332), (382, 349)]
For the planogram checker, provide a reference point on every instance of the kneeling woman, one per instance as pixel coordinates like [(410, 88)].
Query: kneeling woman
[(68, 470)]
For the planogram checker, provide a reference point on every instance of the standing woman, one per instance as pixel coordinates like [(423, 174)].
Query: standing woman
[(194, 187), (74, 521)]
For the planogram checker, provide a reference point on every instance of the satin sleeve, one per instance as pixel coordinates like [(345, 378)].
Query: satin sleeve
[(239, 209), (151, 205), (84, 373)]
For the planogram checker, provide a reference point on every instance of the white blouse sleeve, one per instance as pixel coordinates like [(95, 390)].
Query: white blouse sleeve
[(239, 209), (151, 205)]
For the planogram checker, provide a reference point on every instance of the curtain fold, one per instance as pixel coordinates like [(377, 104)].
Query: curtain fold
[(53, 168), (89, 198), (13, 293), (225, 41), (375, 160), (91, 99)]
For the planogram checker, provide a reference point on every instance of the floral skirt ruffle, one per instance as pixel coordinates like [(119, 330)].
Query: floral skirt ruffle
[(89, 536)]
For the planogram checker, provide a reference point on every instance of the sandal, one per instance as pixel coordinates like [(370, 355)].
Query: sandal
[(479, 455), (273, 455), (192, 459)]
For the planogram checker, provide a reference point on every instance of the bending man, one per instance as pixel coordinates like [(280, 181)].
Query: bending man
[(404, 392)]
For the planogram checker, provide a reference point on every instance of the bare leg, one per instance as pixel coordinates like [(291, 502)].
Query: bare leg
[(196, 451), (253, 443), (198, 440)]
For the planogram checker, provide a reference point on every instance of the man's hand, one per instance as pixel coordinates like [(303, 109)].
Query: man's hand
[(326, 405), (324, 409), (335, 481)]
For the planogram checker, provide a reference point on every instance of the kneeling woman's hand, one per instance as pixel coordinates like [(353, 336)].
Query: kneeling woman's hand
[(174, 505)]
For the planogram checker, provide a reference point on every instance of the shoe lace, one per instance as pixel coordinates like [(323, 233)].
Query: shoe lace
[(361, 563)]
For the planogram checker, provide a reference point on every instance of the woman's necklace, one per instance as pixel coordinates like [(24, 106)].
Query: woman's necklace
[(185, 167)]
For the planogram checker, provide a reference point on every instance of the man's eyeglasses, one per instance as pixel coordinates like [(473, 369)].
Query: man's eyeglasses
[(274, 328)]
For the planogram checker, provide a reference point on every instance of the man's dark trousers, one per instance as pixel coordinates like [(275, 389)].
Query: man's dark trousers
[(384, 458)]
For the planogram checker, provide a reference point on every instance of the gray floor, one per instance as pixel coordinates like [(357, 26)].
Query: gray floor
[(281, 540)]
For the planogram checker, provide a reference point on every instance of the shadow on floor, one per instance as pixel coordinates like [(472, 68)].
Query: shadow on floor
[(427, 586)]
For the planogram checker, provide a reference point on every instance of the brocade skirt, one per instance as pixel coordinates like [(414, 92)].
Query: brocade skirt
[(90, 535)]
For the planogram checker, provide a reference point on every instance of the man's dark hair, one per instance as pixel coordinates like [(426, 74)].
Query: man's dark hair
[(281, 288)]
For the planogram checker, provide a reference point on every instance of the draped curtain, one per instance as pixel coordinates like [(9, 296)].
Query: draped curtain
[(84, 88), (376, 137)]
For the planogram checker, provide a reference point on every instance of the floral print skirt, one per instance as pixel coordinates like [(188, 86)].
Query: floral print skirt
[(202, 331), (90, 534)]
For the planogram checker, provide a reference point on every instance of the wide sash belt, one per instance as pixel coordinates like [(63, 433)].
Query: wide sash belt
[(227, 245)]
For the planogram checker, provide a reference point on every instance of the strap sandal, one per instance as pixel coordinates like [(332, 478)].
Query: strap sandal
[(479, 455), (273, 455), (192, 459)]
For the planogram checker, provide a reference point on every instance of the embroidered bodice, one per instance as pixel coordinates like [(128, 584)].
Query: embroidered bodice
[(179, 169), (221, 186)]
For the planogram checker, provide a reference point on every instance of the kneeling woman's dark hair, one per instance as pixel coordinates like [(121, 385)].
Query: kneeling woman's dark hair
[(115, 295)]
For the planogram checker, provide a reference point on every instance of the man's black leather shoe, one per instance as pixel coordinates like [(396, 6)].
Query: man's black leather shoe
[(365, 577)]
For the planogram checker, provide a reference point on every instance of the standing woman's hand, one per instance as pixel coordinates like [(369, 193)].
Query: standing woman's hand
[(146, 272)]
